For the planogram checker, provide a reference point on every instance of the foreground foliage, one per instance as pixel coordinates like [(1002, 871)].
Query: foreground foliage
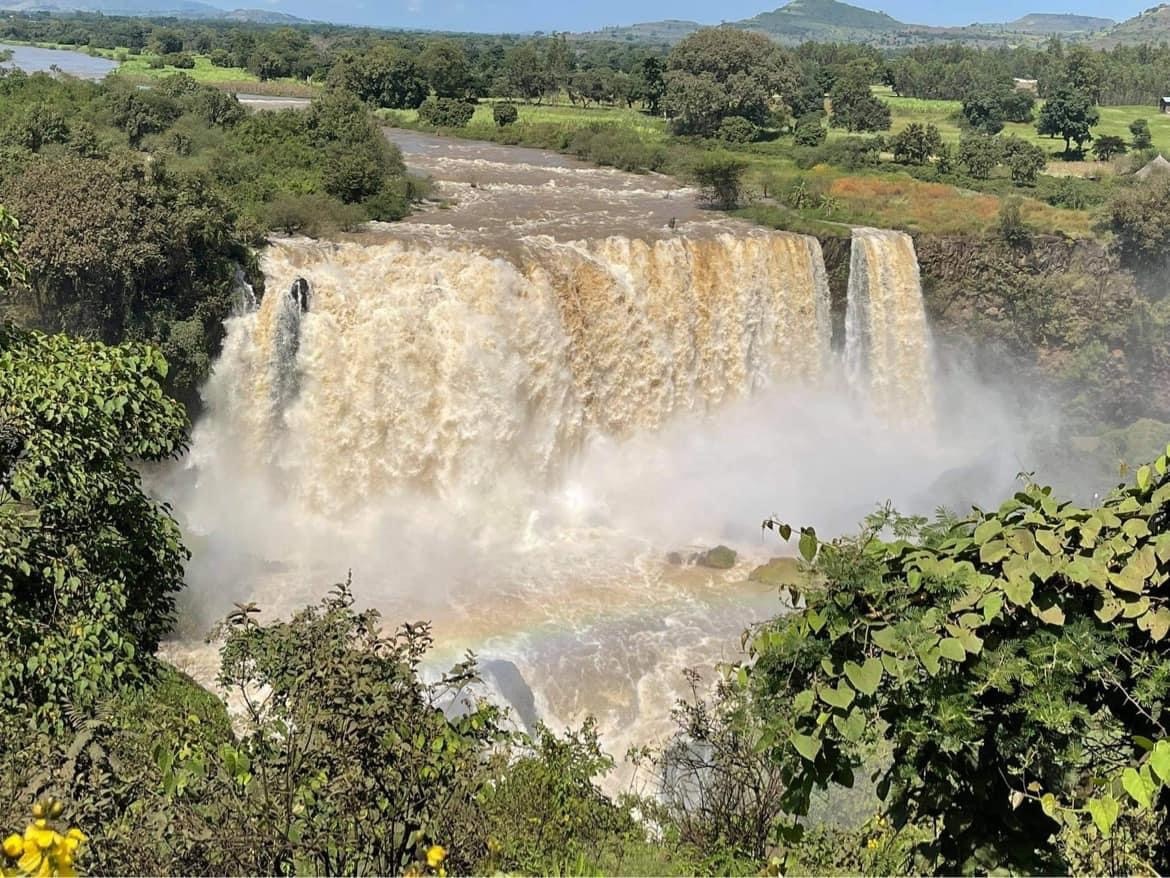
[(1016, 660)]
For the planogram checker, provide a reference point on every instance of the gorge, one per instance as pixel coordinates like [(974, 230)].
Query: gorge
[(502, 413)]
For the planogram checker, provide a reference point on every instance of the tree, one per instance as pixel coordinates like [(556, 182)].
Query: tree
[(979, 154), (89, 565), (446, 112), (719, 72), (737, 129), (1107, 146), (983, 113), (444, 64), (934, 638), (525, 75), (649, 84), (1139, 218), (854, 105), (141, 112), (1142, 139), (117, 249), (916, 143), (810, 130), (1025, 160), (720, 177), (385, 76), (1068, 114), (1017, 105)]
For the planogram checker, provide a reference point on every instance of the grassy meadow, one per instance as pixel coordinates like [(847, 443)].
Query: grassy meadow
[(945, 115)]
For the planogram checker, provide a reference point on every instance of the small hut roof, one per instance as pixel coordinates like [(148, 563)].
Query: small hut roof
[(1158, 165)]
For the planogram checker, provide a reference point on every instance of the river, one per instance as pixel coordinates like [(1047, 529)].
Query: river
[(31, 59)]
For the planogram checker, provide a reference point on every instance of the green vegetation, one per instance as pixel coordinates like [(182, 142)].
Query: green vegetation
[(1003, 673)]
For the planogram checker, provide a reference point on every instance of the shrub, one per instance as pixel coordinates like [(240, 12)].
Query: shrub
[(810, 130), (737, 129), (314, 215), (1107, 146), (1010, 226), (90, 564), (850, 153), (1014, 659), (1142, 139), (446, 112), (915, 144), (505, 114), (979, 154), (720, 179), (1025, 160), (181, 60), (615, 146)]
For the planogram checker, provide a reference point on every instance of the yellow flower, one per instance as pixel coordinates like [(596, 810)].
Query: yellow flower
[(13, 846), (435, 855), (872, 843), (31, 861)]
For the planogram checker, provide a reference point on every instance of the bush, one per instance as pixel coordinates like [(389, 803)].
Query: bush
[(1025, 160), (810, 130), (720, 179), (505, 114), (90, 563), (615, 146), (1142, 139), (446, 112), (181, 60), (850, 153), (979, 154), (937, 636), (1010, 226), (737, 129), (314, 215), (915, 144)]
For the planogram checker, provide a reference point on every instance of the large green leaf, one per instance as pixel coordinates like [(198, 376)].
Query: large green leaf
[(806, 745), (952, 648), (840, 697), (865, 678), (1104, 812)]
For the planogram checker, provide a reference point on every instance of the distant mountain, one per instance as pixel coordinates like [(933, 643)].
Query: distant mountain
[(822, 20), (1151, 26), (145, 8), (1054, 24), (832, 20)]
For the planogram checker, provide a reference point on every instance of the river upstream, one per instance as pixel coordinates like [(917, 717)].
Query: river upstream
[(504, 412)]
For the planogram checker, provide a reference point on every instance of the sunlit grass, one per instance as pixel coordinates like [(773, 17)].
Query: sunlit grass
[(945, 115)]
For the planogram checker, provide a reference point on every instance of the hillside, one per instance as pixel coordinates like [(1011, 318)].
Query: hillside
[(146, 8), (1151, 26), (822, 20), (832, 20), (1047, 24)]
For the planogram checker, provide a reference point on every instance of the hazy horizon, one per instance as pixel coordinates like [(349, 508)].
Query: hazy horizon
[(526, 15)]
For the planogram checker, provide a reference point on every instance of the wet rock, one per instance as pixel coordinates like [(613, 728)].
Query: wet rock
[(514, 689), (719, 558), (778, 572)]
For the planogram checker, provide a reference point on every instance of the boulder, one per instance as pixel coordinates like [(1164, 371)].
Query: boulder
[(718, 558), (779, 572)]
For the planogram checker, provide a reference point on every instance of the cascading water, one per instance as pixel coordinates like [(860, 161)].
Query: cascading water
[(503, 414), (422, 368), (887, 339)]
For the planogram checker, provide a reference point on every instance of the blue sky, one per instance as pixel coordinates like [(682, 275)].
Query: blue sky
[(529, 15)]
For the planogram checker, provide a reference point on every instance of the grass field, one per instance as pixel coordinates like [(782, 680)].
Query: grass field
[(944, 114)]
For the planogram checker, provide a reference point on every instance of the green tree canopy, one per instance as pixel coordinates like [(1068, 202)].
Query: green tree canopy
[(721, 72), (1070, 114)]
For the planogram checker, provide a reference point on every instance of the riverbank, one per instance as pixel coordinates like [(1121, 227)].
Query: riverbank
[(780, 192)]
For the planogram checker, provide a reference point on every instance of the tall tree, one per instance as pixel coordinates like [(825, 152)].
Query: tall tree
[(721, 72), (1069, 114)]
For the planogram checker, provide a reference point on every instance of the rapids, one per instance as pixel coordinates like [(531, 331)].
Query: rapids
[(503, 412)]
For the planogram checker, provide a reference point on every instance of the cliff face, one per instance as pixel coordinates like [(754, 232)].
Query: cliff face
[(1059, 314)]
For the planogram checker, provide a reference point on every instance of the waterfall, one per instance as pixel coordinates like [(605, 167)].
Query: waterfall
[(887, 340), (423, 367)]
